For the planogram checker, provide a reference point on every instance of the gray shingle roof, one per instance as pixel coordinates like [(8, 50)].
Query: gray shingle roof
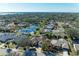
[(60, 42), (6, 36), (76, 46)]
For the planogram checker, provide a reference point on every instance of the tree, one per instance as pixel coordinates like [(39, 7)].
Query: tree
[(24, 42), (49, 35), (71, 32), (37, 33), (45, 45), (42, 23)]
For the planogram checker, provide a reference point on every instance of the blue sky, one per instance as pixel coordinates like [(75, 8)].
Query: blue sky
[(39, 7)]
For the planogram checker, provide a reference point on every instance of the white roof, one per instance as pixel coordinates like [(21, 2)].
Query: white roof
[(54, 41), (65, 53)]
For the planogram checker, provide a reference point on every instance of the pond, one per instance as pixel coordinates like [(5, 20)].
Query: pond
[(28, 30)]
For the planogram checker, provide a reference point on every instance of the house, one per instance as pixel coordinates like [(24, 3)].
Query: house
[(75, 42), (23, 24), (59, 31), (48, 28), (6, 36), (38, 38), (60, 42), (19, 37), (2, 22), (76, 47), (11, 36), (11, 26), (65, 53), (44, 30)]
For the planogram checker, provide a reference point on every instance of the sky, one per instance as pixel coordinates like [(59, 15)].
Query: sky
[(39, 7)]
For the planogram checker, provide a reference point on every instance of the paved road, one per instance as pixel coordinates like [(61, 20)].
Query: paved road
[(40, 54), (3, 52), (65, 53)]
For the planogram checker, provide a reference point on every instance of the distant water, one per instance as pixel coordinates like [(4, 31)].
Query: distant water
[(6, 13), (10, 13)]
